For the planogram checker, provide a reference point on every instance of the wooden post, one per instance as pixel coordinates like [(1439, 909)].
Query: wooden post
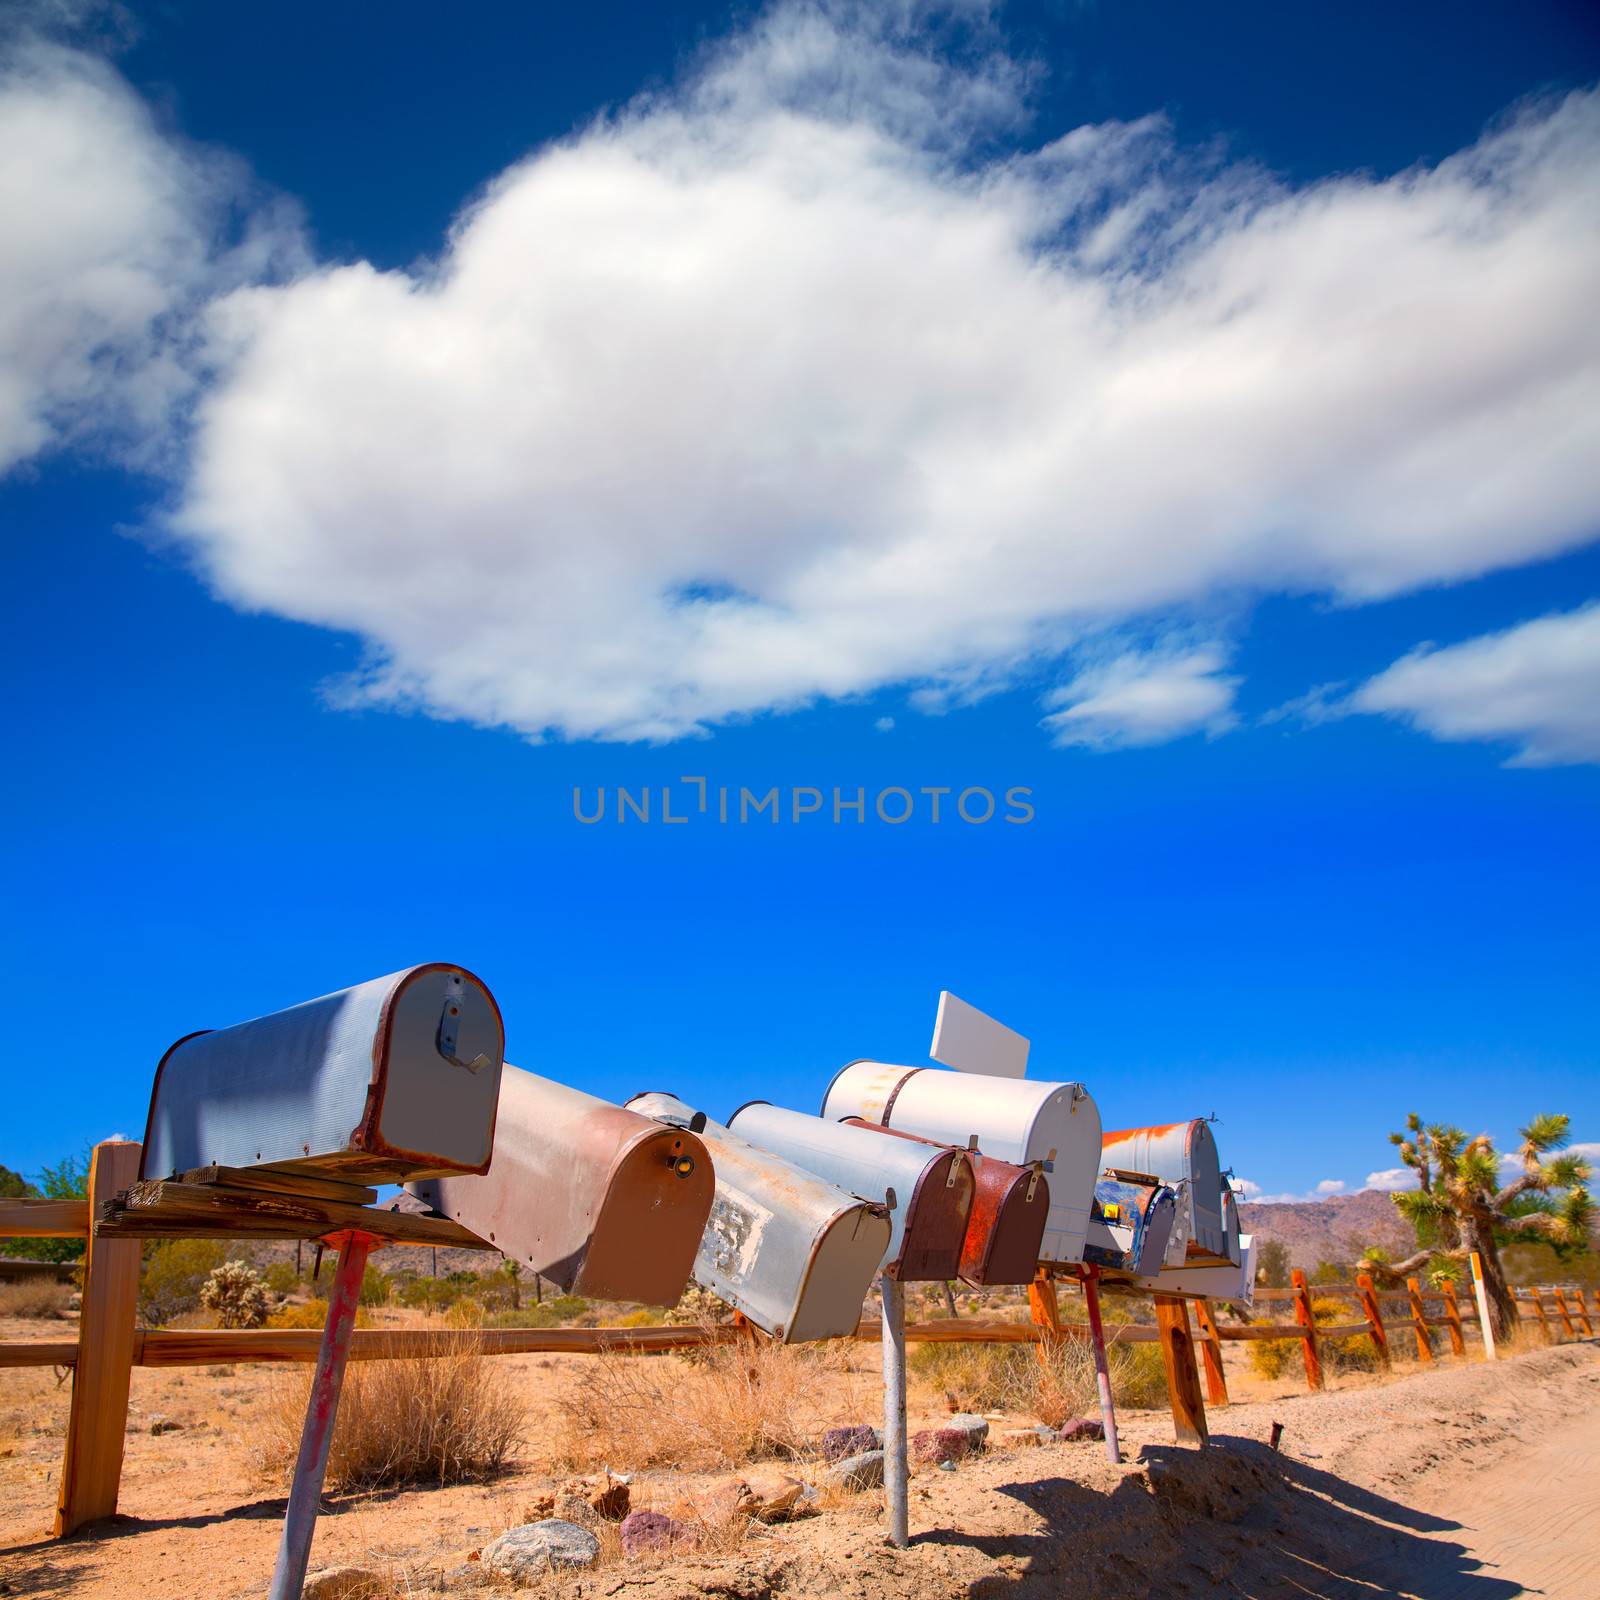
[(1544, 1320), (1045, 1311), (1583, 1311), (1458, 1345), (1418, 1322), (1211, 1354), (1308, 1328), (1374, 1316), (1485, 1322), (1596, 1301), (1183, 1378), (1567, 1325), (91, 1469)]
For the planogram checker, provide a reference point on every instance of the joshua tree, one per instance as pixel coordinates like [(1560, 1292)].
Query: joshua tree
[(1460, 1204)]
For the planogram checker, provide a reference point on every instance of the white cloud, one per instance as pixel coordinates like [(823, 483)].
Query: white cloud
[(1590, 1152), (1536, 685), (782, 385), (1143, 698), (1391, 1180), (115, 236), (1253, 1194), (884, 724)]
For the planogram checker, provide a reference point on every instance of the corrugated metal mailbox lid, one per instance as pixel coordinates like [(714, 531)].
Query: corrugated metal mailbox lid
[(1132, 1226), (1006, 1225), (791, 1251), (1014, 1119), (602, 1201), (389, 1079), (1184, 1154), (932, 1188)]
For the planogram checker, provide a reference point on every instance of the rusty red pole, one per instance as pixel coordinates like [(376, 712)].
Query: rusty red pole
[(300, 1520), (1102, 1369)]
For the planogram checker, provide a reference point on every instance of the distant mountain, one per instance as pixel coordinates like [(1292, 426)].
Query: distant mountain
[(1335, 1229)]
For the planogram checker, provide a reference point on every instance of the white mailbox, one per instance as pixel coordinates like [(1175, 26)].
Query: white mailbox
[(374, 1084), (1184, 1154), (1014, 1119), (794, 1253)]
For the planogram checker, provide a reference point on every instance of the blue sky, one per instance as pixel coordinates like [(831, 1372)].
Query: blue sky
[(836, 415)]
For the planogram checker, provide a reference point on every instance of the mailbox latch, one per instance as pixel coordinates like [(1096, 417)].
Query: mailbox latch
[(450, 1030)]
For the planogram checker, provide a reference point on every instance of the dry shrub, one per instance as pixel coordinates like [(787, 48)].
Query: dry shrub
[(1352, 1353), (38, 1297), (730, 1404), (435, 1419), (1013, 1379)]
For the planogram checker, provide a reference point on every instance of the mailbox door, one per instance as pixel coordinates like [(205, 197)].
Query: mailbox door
[(795, 1254), (353, 1083), (1005, 1226), (932, 1188), (603, 1202)]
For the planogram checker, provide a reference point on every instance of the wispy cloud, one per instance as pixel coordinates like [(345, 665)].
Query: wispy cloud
[(1536, 686), (1253, 1193), (1391, 1180), (1143, 698)]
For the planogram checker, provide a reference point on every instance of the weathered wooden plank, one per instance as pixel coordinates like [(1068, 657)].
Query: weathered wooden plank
[(39, 1353), (44, 1219), (171, 1209), (1183, 1377), (1211, 1354), (91, 1468), (1308, 1329), (271, 1181)]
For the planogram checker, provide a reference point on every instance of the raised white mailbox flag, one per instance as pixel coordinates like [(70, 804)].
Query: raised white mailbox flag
[(970, 1041)]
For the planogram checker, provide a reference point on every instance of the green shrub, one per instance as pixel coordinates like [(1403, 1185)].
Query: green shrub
[(1138, 1376), (281, 1278), (173, 1273), (375, 1287), (1352, 1353)]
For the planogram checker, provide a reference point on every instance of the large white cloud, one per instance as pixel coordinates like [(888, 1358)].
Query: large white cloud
[(115, 235), (1536, 686), (777, 387)]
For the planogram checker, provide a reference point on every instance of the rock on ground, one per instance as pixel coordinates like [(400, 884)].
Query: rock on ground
[(643, 1531), (1082, 1428), (938, 1445), (343, 1583), (533, 1549), (850, 1440), (864, 1470)]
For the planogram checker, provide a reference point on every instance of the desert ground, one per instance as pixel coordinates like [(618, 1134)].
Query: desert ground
[(1462, 1479)]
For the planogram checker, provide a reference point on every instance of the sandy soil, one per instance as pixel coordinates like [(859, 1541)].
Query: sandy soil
[(1458, 1481)]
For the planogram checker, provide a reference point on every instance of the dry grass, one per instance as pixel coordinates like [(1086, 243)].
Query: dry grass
[(1012, 1378), (37, 1297), (437, 1419), (731, 1404)]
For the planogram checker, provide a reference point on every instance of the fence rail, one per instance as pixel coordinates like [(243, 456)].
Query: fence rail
[(109, 1345)]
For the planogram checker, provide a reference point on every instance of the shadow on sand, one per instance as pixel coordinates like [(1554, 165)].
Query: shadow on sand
[(1238, 1519)]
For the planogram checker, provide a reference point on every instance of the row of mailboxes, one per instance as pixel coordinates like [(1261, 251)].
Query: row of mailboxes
[(922, 1173), (1056, 1125)]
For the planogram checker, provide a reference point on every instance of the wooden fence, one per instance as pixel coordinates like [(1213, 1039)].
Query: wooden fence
[(109, 1343)]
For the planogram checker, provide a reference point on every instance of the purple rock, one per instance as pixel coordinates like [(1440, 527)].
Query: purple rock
[(837, 1443), (1082, 1428), (941, 1444), (642, 1531)]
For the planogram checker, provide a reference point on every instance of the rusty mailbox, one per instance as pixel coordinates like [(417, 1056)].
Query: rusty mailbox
[(1014, 1119), (374, 1084), (1184, 1155), (932, 1188), (602, 1201), (1134, 1215), (1006, 1224), (791, 1251)]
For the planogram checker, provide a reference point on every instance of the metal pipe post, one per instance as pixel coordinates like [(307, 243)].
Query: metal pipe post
[(894, 1410), (300, 1520), (1102, 1368), (1485, 1327)]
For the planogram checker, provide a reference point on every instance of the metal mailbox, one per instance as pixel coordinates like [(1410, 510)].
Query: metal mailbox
[(1014, 1119), (1006, 1225), (1219, 1280), (1184, 1154), (932, 1188), (1132, 1225), (791, 1251), (390, 1079), (602, 1201)]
